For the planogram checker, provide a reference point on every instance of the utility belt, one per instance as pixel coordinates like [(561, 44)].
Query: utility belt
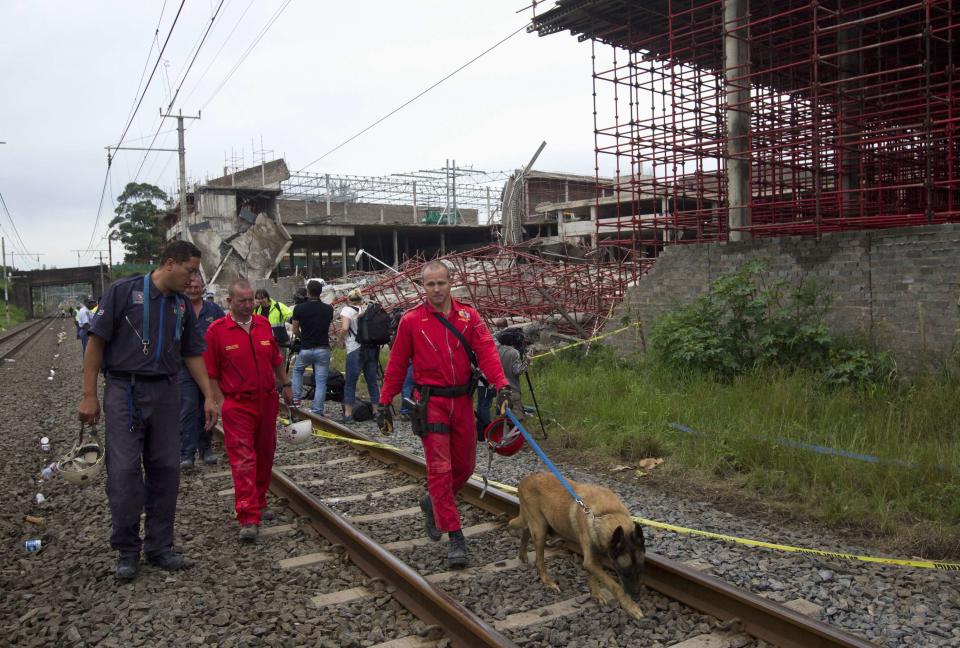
[(418, 409), (134, 378)]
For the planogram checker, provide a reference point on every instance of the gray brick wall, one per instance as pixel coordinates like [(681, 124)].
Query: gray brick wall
[(897, 287)]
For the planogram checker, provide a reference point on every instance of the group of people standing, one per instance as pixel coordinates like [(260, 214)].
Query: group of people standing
[(161, 346)]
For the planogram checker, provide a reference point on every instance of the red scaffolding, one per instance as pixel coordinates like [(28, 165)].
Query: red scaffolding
[(514, 284), (833, 114)]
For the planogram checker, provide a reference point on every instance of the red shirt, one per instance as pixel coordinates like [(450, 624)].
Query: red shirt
[(438, 356), (241, 361)]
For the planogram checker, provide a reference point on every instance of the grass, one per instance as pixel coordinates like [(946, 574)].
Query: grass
[(625, 409), (10, 316)]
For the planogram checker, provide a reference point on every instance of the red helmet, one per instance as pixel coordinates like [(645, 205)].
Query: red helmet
[(503, 437)]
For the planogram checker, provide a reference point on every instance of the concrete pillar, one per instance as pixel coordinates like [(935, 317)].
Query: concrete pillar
[(443, 242), (595, 238), (308, 269), (396, 250), (736, 51), (343, 256)]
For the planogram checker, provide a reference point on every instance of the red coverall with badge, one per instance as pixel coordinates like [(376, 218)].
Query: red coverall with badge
[(439, 359), (243, 365)]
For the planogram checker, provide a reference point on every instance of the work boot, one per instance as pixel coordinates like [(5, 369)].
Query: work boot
[(267, 514), (429, 524), (209, 458), (186, 465), (457, 550), (168, 560), (248, 533), (127, 567)]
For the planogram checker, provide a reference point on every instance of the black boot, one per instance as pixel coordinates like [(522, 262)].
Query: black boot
[(429, 524), (127, 567), (457, 550), (209, 458)]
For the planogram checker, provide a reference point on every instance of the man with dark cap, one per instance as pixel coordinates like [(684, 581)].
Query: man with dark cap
[(142, 332)]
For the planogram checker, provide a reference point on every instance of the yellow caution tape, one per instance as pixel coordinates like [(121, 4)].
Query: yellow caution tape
[(587, 341), (923, 564)]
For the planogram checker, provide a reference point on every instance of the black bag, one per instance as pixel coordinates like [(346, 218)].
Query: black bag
[(335, 383), (373, 326), (363, 411), (513, 337)]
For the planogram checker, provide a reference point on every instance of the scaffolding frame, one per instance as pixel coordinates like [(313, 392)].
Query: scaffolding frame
[(839, 114), (446, 190)]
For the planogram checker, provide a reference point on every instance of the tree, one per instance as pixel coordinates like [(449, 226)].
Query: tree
[(138, 221)]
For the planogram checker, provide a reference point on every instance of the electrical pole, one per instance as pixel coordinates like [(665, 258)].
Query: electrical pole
[(183, 164), (180, 150), (101, 271), (6, 276)]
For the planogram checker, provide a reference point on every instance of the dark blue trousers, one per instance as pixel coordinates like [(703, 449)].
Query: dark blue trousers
[(143, 461), (192, 435)]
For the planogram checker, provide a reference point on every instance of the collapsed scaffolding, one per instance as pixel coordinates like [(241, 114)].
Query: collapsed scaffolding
[(733, 119), (512, 286)]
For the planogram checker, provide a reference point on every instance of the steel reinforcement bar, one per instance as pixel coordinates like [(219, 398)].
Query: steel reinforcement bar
[(757, 616)]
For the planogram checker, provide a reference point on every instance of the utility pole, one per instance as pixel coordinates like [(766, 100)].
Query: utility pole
[(183, 164), (180, 150), (101, 271), (6, 276)]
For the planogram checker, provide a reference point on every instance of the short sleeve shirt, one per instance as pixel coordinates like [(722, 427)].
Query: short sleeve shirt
[(314, 318), (120, 323), (84, 316)]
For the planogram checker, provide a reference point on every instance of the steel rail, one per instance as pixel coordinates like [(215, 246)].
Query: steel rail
[(423, 599), (29, 332), (757, 616)]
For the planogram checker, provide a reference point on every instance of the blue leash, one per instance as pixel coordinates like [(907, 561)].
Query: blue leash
[(546, 460)]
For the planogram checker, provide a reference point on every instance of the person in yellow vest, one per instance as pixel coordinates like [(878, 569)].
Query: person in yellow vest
[(277, 313)]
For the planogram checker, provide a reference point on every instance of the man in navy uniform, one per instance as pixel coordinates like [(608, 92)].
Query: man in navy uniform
[(142, 332)]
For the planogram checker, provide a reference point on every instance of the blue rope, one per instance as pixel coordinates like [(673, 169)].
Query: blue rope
[(544, 458)]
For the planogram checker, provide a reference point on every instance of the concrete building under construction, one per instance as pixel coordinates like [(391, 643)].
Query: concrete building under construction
[(732, 119), (265, 220)]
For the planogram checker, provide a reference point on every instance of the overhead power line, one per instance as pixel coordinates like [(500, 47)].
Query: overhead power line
[(411, 100), (152, 72), (246, 53), (22, 247)]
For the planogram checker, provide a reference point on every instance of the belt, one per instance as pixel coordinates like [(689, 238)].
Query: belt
[(134, 378), (448, 392)]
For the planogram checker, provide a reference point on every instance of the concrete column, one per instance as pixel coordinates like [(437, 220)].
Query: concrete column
[(343, 256), (443, 242), (595, 238), (736, 51), (396, 250), (328, 194)]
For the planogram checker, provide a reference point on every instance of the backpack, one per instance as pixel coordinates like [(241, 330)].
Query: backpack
[(363, 411), (513, 337), (395, 316), (373, 326), (335, 383)]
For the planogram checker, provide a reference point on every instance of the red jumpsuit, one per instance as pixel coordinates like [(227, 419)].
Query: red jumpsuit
[(440, 360), (243, 364)]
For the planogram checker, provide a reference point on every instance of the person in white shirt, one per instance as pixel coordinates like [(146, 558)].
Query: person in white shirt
[(84, 318), (359, 358)]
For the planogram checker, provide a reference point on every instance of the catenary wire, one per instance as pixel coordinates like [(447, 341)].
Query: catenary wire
[(411, 100)]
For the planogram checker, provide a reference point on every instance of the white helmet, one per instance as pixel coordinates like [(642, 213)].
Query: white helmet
[(84, 462), (298, 431)]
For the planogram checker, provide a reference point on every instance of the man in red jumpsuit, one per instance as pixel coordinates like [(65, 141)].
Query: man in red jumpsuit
[(444, 382), (244, 364)]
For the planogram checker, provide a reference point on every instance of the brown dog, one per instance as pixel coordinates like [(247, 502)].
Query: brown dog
[(607, 530)]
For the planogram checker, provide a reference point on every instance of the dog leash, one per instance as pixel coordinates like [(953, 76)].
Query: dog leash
[(549, 464)]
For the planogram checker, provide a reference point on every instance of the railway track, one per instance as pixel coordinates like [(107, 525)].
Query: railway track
[(12, 341), (362, 499)]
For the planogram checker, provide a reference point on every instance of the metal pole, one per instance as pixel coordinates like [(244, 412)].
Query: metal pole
[(110, 250), (453, 182), (416, 216), (101, 272), (396, 250), (343, 255), (6, 275)]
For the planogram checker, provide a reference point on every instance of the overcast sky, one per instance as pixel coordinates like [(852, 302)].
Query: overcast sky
[(322, 72)]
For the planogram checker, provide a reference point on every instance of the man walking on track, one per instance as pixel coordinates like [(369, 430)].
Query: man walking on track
[(448, 342), (244, 364), (193, 438), (139, 336)]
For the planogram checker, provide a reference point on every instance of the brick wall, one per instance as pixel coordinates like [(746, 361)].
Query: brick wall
[(897, 287)]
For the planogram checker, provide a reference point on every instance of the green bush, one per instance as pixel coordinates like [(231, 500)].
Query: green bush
[(742, 323)]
